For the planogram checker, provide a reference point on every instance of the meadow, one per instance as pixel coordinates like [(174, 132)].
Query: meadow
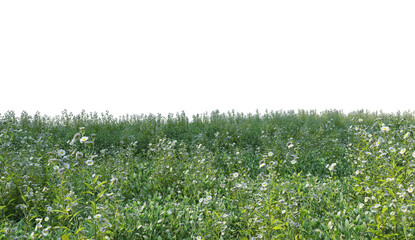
[(278, 175)]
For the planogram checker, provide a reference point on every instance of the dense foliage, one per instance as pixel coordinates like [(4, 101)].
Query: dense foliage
[(278, 175)]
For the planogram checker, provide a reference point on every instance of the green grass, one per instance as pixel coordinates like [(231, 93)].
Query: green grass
[(280, 175)]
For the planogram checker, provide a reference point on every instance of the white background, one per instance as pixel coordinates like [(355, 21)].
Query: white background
[(198, 56)]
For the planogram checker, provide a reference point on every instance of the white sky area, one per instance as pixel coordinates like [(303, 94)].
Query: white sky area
[(198, 56)]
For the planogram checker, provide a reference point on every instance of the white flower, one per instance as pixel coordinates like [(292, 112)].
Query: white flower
[(198, 238), (46, 219), (270, 154), (66, 165), (360, 120), (97, 216), (235, 175), (83, 139), (384, 128), (413, 154), (377, 205), (410, 189), (373, 209), (404, 208), (61, 152), (392, 149), (264, 184), (361, 205), (406, 135), (209, 198), (290, 145), (89, 162), (403, 150), (293, 162)]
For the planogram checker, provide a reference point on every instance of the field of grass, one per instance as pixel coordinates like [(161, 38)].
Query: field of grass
[(278, 175)]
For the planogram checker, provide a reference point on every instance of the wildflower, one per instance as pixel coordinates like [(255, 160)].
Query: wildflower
[(45, 231), (384, 128), (261, 163), (89, 162), (72, 142), (79, 154), (392, 149), (270, 154), (361, 205), (49, 208), (406, 135), (413, 154), (66, 165), (46, 219), (83, 139), (209, 198), (366, 199), (290, 145), (389, 179), (410, 189), (357, 172), (113, 179), (77, 136), (330, 225), (235, 175), (283, 211), (264, 184), (377, 205), (198, 238), (373, 209), (360, 120), (403, 150), (238, 185), (259, 235), (98, 216), (404, 208), (392, 213), (331, 168), (61, 152), (293, 161)]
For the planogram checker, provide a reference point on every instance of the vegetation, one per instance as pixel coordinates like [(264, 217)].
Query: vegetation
[(280, 175)]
